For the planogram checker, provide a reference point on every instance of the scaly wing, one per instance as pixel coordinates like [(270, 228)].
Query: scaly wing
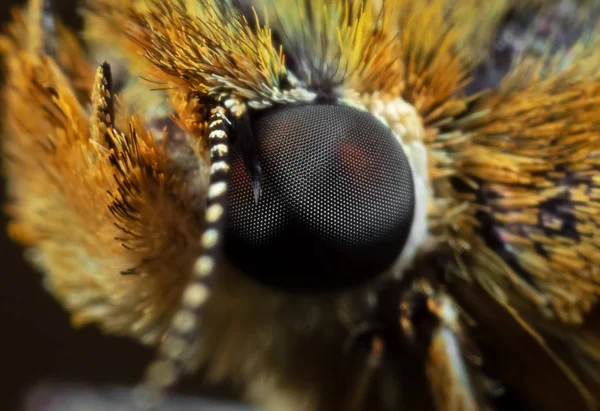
[(529, 154)]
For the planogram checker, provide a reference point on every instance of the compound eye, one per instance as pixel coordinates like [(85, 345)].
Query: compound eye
[(337, 200)]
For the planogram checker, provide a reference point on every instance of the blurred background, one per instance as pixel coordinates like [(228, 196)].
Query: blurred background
[(37, 343)]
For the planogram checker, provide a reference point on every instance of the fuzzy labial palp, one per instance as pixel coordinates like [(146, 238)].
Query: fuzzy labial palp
[(308, 203)]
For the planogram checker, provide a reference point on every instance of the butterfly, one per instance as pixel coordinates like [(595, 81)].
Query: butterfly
[(304, 199)]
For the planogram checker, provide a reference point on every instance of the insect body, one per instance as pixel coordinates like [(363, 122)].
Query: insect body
[(305, 201)]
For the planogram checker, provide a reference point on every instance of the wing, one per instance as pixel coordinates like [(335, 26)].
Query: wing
[(529, 160), (108, 217)]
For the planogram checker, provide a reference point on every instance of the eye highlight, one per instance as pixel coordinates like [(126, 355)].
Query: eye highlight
[(337, 199)]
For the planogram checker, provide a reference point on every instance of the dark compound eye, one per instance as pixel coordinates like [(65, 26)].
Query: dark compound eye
[(337, 200)]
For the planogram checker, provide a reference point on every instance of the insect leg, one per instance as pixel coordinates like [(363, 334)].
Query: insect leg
[(358, 398), (429, 322), (177, 345)]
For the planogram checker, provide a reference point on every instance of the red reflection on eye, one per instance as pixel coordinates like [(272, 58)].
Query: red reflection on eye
[(354, 158)]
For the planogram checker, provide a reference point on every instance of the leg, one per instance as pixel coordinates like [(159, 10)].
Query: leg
[(427, 363), (430, 325), (358, 398)]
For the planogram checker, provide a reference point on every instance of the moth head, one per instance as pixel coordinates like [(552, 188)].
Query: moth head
[(336, 203), (338, 194)]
